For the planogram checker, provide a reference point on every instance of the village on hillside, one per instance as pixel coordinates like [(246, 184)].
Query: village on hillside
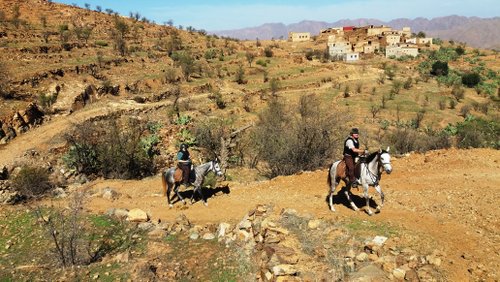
[(350, 43)]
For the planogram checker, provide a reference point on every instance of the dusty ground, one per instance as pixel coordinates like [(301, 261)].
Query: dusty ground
[(446, 200)]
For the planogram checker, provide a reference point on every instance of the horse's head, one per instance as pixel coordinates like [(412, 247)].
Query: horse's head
[(216, 167), (385, 160)]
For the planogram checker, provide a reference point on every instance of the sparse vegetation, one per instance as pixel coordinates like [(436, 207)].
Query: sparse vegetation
[(112, 148), (32, 181)]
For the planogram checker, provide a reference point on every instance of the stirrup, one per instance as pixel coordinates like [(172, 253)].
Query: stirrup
[(354, 184)]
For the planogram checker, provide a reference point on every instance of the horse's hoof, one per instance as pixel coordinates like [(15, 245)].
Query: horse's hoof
[(205, 204), (184, 202), (170, 206), (369, 212), (332, 209)]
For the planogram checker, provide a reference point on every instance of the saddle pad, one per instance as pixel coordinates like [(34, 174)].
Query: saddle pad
[(178, 175)]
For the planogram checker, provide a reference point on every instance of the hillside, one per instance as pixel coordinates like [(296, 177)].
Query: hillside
[(94, 106), (476, 32)]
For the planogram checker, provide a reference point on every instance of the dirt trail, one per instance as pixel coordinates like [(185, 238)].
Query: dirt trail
[(446, 200)]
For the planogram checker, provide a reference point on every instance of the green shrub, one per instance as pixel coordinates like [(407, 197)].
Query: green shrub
[(112, 148), (210, 54), (32, 181), (471, 79), (261, 62), (476, 133), (439, 68), (268, 52)]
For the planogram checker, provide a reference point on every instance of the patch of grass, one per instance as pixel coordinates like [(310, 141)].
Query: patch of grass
[(369, 228)]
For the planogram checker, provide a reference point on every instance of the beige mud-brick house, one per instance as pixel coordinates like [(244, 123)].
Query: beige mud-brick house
[(391, 39), (406, 32), (402, 49), (424, 41), (299, 36), (339, 48), (351, 57), (377, 30)]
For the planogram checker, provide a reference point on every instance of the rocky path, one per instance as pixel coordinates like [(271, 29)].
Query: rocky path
[(443, 201)]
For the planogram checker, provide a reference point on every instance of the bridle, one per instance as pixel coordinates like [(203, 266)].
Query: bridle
[(376, 177)]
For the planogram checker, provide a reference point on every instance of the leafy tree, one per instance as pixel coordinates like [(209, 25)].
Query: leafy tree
[(250, 57), (98, 8), (186, 62), (87, 6), (439, 68), (268, 52), (421, 34), (460, 50)]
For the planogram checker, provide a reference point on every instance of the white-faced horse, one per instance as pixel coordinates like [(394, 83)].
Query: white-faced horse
[(196, 179), (370, 172)]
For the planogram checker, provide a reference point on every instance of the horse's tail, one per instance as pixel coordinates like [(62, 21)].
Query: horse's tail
[(164, 182)]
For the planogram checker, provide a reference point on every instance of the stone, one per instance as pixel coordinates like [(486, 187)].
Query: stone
[(208, 236), (110, 194), (314, 223), (362, 257), (59, 193), (157, 233), (287, 212), (245, 224), (137, 215), (121, 213), (223, 229), (243, 235), (268, 276), (194, 236), (379, 240), (399, 273), (284, 269), (368, 273), (145, 226), (411, 275), (11, 198), (372, 257)]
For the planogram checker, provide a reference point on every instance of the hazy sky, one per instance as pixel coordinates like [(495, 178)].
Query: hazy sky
[(219, 15)]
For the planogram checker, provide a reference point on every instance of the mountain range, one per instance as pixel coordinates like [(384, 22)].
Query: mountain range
[(475, 31)]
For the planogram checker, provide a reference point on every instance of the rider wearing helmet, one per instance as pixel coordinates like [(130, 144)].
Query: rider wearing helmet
[(184, 162), (351, 151)]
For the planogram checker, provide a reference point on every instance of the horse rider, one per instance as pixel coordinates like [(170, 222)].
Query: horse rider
[(184, 163), (351, 151)]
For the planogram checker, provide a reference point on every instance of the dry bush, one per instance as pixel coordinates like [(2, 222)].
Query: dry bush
[(294, 140), (404, 140), (113, 148), (32, 181)]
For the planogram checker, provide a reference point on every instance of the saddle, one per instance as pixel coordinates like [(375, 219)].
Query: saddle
[(342, 169), (178, 174)]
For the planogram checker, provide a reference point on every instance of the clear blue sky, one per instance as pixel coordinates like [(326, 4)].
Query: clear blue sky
[(219, 15)]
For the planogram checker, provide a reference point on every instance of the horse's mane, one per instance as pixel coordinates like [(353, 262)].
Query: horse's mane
[(373, 155)]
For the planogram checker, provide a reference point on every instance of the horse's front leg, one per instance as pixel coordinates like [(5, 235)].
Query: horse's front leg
[(347, 193), (367, 198), (379, 191), (176, 190)]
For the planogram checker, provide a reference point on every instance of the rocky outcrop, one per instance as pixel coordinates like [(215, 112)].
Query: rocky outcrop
[(20, 122)]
